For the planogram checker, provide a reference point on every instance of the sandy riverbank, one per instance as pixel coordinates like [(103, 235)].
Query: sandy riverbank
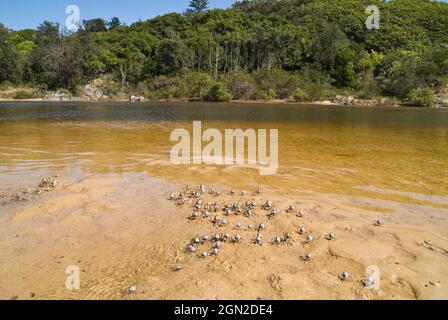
[(277, 101), (122, 231)]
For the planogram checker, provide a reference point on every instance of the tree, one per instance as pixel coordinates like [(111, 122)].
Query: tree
[(95, 25), (199, 6), (172, 57), (421, 97), (258, 49), (218, 93), (8, 58), (114, 23), (47, 33)]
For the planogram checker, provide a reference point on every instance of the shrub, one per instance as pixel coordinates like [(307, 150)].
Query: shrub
[(318, 91), (241, 85), (198, 84), (163, 87), (264, 95), (281, 81), (421, 97), (25, 94), (300, 95), (218, 93), (5, 85), (111, 88)]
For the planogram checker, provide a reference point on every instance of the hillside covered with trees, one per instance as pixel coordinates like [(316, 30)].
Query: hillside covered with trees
[(307, 50)]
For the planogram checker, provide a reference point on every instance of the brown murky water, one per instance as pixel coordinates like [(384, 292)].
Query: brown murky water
[(396, 154)]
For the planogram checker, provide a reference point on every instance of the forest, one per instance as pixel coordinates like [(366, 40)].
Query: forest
[(302, 50)]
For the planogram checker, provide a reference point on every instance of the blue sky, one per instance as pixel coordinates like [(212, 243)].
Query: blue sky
[(21, 14)]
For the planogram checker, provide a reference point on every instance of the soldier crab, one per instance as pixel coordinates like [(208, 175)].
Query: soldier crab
[(132, 289), (273, 214), (308, 257), (379, 223), (177, 268), (193, 216), (258, 239), (268, 205), (249, 204), (180, 201), (368, 282), (330, 237), (309, 238), (277, 240)]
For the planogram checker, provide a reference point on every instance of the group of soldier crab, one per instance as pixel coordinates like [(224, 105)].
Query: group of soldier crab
[(205, 211)]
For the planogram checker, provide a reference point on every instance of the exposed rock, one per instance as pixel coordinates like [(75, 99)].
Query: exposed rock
[(351, 101), (61, 97), (91, 92), (441, 98), (136, 98), (345, 101), (440, 102), (46, 185)]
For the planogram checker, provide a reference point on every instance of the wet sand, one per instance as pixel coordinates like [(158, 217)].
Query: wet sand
[(121, 230)]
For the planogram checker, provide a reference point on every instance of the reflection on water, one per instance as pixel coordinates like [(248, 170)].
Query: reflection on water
[(397, 154)]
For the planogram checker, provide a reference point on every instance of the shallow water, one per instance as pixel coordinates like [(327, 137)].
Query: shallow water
[(382, 153)]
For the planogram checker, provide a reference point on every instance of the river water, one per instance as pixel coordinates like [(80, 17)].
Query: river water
[(398, 154)]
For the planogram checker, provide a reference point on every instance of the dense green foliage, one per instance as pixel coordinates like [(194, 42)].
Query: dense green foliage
[(199, 6), (421, 97), (259, 49)]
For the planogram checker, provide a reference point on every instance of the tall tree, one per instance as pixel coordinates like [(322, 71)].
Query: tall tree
[(199, 6), (8, 57), (95, 25), (114, 23)]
